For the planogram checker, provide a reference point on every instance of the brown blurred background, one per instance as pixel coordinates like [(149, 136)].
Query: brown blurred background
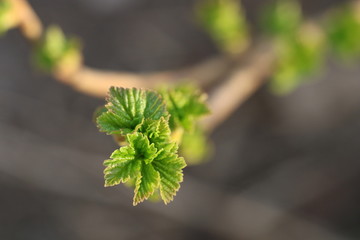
[(284, 168)]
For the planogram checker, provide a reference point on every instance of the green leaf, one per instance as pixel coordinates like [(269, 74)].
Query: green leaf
[(126, 162), (299, 57), (6, 16), (56, 51), (186, 104), (55, 42), (343, 31), (159, 133), (150, 168), (281, 18), (169, 166), (127, 109), (195, 146), (225, 22), (5, 6), (146, 183), (118, 171), (149, 161), (121, 167)]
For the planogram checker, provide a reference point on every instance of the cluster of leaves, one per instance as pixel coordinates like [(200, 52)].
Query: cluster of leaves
[(57, 53), (195, 146), (149, 130), (225, 22), (343, 30), (281, 18), (7, 18), (149, 160), (299, 47), (186, 104), (298, 57)]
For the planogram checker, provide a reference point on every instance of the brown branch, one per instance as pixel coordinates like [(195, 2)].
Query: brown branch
[(96, 82), (28, 21), (241, 83)]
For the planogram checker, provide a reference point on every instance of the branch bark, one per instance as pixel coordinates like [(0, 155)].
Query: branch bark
[(28, 22), (242, 81), (96, 82)]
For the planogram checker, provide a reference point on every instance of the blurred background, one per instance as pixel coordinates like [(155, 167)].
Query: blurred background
[(284, 167)]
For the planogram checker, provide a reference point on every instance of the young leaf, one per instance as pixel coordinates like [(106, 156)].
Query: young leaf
[(121, 167), (146, 183), (127, 109), (343, 31), (159, 133), (133, 162), (149, 162), (57, 53), (169, 166), (282, 18), (7, 17), (126, 162), (149, 167), (195, 146), (225, 22), (185, 104), (299, 57)]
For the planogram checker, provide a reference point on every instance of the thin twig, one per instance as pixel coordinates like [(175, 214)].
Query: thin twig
[(28, 21), (96, 82), (241, 83), (238, 86)]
